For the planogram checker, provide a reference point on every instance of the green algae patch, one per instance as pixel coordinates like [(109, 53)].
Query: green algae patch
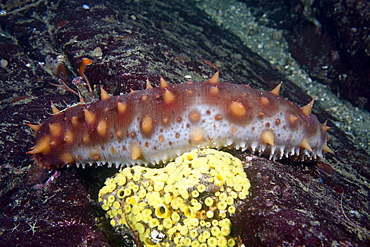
[(186, 203)]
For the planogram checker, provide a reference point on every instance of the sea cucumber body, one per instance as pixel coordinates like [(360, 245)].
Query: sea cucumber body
[(157, 124)]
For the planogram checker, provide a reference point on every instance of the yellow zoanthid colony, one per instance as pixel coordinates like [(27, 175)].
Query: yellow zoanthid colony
[(186, 203)]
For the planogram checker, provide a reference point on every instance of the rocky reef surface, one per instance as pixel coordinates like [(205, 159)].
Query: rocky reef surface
[(321, 203)]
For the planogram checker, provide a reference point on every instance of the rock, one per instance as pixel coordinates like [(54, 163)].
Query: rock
[(301, 205)]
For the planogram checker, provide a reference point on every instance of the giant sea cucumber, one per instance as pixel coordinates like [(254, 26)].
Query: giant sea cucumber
[(157, 124)]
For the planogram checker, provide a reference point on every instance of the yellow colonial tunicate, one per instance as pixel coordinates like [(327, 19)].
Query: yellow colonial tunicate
[(186, 203)]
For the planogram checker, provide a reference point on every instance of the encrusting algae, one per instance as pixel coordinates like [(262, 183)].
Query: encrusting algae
[(186, 203)]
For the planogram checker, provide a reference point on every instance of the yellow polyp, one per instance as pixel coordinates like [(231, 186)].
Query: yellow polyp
[(184, 230), (158, 186), (202, 239), (168, 198), (120, 179), (225, 230), (187, 202), (193, 201), (197, 206), (137, 176), (226, 222), (223, 197), (175, 205), (214, 222), (114, 212), (142, 193), (147, 212), (231, 242), (153, 223), (112, 222), (219, 180), (208, 201), (130, 184), (111, 198), (215, 231), (149, 242), (140, 228), (162, 211), (134, 200), (103, 191), (127, 192), (222, 206), (230, 200), (193, 234), (193, 222), (187, 242), (111, 187), (116, 205), (201, 188), (184, 194), (210, 214), (238, 187), (212, 242), (135, 210), (147, 219), (175, 217), (188, 211), (135, 188), (206, 234), (213, 172), (167, 223), (221, 241)]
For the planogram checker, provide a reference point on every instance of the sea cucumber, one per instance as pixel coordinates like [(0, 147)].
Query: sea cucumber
[(156, 125)]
